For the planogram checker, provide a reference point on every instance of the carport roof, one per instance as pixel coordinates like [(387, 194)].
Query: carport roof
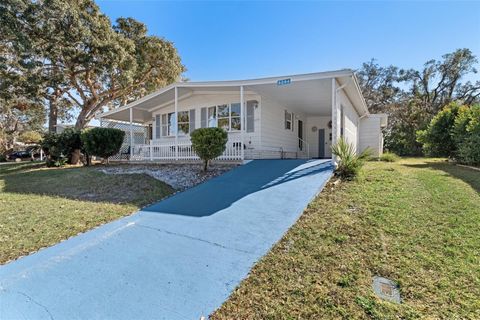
[(306, 89)]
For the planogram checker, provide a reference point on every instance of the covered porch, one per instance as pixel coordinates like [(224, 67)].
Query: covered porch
[(282, 117)]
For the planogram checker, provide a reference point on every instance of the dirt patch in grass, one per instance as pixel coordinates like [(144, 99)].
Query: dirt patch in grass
[(415, 221)]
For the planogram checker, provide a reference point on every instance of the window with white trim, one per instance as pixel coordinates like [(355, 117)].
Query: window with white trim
[(168, 120), (183, 123), (288, 120), (225, 116)]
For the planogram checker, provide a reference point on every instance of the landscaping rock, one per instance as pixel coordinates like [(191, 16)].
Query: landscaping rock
[(179, 176)]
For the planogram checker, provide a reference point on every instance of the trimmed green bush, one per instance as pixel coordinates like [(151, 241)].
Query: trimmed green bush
[(102, 142), (437, 139), (349, 162), (389, 157), (209, 143)]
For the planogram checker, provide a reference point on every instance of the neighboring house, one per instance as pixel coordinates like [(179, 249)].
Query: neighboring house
[(296, 116)]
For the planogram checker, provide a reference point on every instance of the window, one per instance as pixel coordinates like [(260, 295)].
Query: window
[(223, 113), (288, 120), (168, 120), (225, 116), (229, 116), (235, 122), (212, 117), (183, 123)]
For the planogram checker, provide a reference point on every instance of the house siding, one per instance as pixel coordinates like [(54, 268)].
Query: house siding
[(371, 135), (351, 119), (312, 136), (274, 136)]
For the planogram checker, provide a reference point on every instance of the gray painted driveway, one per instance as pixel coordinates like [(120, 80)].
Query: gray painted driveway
[(178, 259)]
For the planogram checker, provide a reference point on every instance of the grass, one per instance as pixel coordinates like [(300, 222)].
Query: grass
[(415, 221), (389, 157), (40, 207)]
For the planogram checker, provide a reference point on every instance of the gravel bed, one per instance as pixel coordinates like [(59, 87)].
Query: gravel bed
[(179, 176)]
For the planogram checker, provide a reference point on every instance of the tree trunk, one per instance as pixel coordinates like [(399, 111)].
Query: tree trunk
[(205, 165), (52, 116), (75, 156)]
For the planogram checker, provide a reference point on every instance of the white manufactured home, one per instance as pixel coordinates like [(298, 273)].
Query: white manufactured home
[(295, 116)]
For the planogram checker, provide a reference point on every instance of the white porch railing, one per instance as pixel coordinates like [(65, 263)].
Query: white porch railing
[(168, 150)]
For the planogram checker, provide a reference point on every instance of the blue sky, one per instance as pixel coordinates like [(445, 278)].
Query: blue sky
[(236, 40)]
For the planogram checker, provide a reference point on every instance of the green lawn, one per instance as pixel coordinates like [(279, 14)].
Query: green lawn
[(40, 207), (416, 221)]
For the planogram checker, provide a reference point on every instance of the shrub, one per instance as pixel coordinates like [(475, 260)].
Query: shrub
[(466, 134), (437, 139), (389, 157), (102, 142), (209, 143), (53, 149), (3, 158), (71, 144), (349, 163)]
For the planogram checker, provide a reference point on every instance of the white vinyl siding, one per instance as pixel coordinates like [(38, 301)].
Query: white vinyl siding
[(371, 135), (273, 133)]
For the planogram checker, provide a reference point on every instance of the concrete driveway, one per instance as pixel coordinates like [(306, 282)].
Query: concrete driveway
[(178, 259)]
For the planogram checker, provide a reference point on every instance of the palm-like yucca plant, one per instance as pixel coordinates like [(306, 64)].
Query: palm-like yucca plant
[(349, 162)]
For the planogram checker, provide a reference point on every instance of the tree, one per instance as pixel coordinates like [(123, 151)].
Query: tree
[(438, 83), (102, 142), (103, 66), (412, 98), (437, 139), (20, 108), (209, 143), (380, 86), (79, 60)]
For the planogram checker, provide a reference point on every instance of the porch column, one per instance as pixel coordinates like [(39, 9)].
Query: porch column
[(242, 122), (131, 133), (176, 123), (334, 116)]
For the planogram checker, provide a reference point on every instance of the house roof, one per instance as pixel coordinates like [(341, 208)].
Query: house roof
[(310, 89)]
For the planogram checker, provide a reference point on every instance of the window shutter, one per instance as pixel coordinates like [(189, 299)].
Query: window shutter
[(251, 116), (203, 118), (164, 125), (192, 120), (293, 121), (285, 117), (157, 126)]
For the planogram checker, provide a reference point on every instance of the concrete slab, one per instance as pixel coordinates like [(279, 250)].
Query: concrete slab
[(178, 259)]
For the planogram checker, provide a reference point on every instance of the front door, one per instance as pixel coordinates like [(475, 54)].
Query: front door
[(300, 135), (321, 143)]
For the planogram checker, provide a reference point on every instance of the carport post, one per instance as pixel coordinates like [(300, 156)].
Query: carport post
[(242, 122), (131, 133), (176, 123), (334, 117)]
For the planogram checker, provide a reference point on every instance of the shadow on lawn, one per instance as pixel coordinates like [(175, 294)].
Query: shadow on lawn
[(470, 176), (86, 184)]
